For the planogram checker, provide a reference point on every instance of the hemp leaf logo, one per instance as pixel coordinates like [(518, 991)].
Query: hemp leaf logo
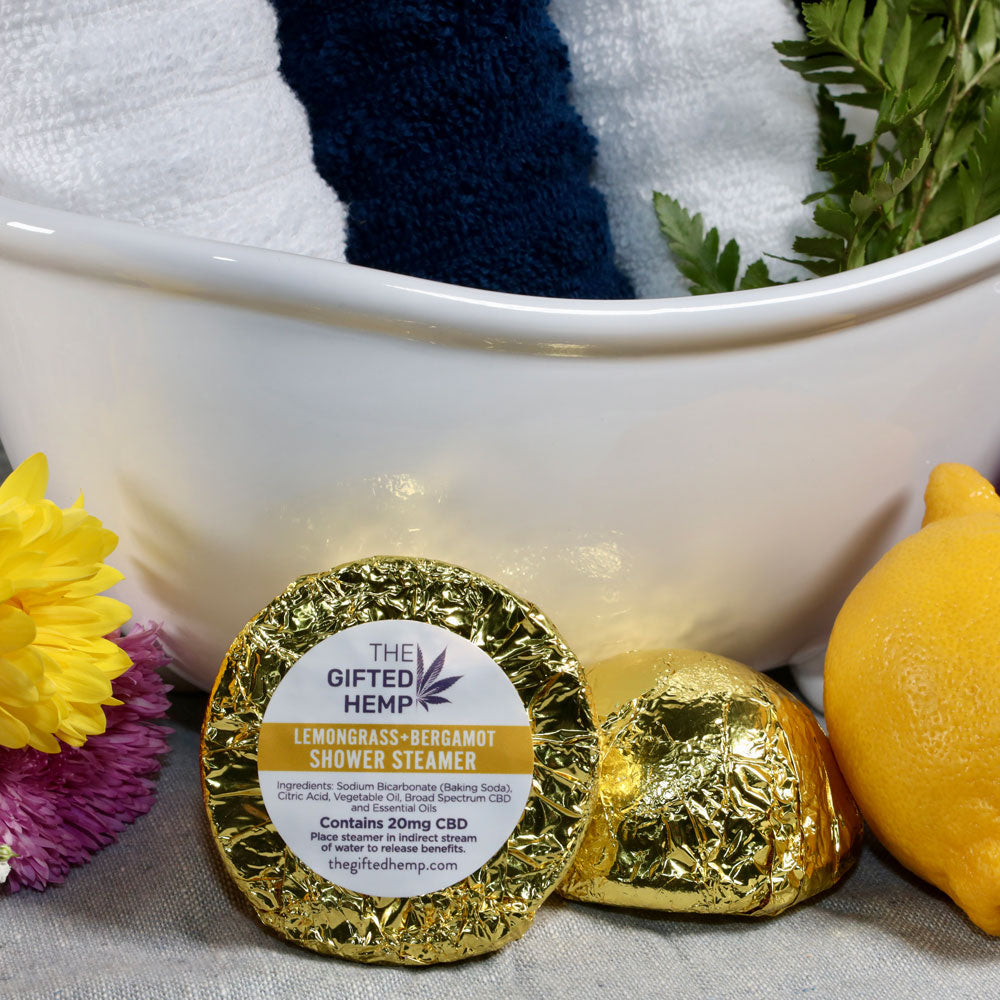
[(430, 685)]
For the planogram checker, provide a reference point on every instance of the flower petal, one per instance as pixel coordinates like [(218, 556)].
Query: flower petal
[(13, 732), (43, 741), (16, 629), (82, 682), (41, 522), (18, 687), (105, 578), (86, 720), (28, 481), (43, 716), (90, 617), (31, 661)]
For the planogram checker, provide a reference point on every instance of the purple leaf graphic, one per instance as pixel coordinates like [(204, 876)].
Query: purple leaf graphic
[(435, 668), (430, 684), (442, 685)]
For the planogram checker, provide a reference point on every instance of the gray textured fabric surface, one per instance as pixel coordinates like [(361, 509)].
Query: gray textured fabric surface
[(155, 916)]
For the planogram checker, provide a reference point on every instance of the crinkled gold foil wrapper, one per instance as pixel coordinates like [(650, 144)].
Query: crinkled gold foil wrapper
[(718, 791), (495, 904)]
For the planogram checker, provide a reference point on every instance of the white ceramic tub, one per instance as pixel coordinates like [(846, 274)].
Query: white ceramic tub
[(708, 472)]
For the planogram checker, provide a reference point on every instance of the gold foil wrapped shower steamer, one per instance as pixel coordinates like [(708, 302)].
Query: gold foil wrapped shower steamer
[(398, 762), (718, 792)]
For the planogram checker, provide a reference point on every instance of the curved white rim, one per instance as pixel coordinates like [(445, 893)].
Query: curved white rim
[(383, 303)]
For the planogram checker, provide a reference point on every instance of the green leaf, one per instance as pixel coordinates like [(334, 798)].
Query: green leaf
[(860, 100), (895, 65), (757, 276), (818, 59), (827, 247), (953, 146), (835, 221), (851, 28), (710, 244), (986, 31), (886, 187), (940, 7), (829, 76), (967, 65), (932, 75), (979, 183), (963, 140), (943, 216), (850, 161), (793, 48), (935, 95), (990, 80), (729, 265), (874, 36), (927, 40), (862, 205), (695, 252), (856, 251), (884, 242), (833, 137), (824, 19), (820, 268)]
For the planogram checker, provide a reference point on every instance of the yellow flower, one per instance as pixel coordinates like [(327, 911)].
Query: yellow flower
[(56, 667)]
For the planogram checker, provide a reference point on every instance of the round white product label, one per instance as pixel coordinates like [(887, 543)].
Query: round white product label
[(395, 758)]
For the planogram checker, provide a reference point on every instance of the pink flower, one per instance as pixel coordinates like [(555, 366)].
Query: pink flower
[(56, 810)]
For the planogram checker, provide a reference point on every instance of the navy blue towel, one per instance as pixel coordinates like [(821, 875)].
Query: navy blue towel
[(446, 128)]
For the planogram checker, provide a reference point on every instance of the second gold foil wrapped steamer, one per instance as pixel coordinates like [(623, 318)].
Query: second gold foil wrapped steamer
[(718, 792)]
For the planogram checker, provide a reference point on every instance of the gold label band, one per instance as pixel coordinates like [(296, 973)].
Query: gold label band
[(320, 747)]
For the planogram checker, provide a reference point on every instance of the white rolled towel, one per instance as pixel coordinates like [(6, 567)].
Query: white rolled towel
[(168, 113), (690, 99)]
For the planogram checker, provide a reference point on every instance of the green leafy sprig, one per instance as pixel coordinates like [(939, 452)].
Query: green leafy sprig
[(697, 253), (929, 70)]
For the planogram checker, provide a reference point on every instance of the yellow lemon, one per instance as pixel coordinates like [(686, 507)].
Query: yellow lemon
[(912, 692)]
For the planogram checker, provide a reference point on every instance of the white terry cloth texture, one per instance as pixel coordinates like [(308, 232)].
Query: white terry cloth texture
[(168, 113), (690, 99)]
